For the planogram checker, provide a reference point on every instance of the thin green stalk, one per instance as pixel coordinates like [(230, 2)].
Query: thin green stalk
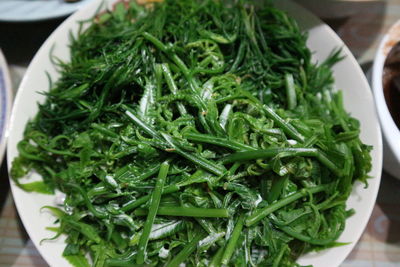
[(216, 260), (186, 251), (150, 172), (315, 241), (260, 214), (197, 159), (233, 240), (284, 152), (327, 201), (93, 210), (286, 126), (160, 45), (277, 260), (290, 91), (328, 163), (141, 124), (104, 130), (210, 139), (157, 43), (239, 57), (154, 203), (206, 164), (140, 201), (172, 87), (270, 153), (187, 212)]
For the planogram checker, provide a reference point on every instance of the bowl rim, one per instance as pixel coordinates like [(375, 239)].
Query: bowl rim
[(389, 128), (7, 101)]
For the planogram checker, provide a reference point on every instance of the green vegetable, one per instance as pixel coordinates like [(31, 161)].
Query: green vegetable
[(187, 212), (154, 202), (254, 151), (232, 243)]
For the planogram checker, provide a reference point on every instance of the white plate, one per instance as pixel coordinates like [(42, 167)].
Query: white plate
[(349, 77), (6, 95), (32, 10)]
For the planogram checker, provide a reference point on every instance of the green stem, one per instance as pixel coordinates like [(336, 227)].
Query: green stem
[(239, 57), (270, 153), (158, 73), (154, 203), (285, 152), (286, 127), (233, 240), (141, 124), (104, 130), (140, 201), (328, 163), (160, 45), (196, 159), (290, 91), (172, 87), (216, 260), (150, 172), (157, 43), (209, 139), (260, 214), (278, 258), (315, 241), (87, 201), (187, 212), (186, 251)]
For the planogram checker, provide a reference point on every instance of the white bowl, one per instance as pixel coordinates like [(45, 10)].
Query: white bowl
[(391, 133), (349, 77), (335, 9), (6, 96)]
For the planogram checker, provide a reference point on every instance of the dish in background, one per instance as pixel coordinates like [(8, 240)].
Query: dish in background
[(357, 97), (335, 9), (391, 133), (6, 94), (33, 10)]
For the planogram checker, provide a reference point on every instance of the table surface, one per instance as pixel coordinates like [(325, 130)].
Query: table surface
[(361, 30)]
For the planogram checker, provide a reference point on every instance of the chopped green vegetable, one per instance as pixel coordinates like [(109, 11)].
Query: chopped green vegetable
[(233, 240), (154, 202), (254, 151)]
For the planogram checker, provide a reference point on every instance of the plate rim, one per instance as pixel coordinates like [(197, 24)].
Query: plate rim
[(50, 15)]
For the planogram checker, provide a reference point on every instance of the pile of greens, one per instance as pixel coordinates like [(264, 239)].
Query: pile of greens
[(194, 132)]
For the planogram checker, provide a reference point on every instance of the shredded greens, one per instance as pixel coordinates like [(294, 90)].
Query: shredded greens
[(196, 132)]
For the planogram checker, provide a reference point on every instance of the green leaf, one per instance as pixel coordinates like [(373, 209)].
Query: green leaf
[(38, 187)]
